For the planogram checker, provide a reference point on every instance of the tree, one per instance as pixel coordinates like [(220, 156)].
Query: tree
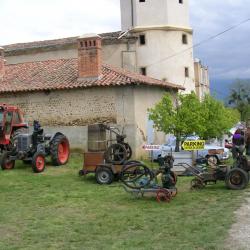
[(186, 115), (181, 118), (218, 118), (240, 98)]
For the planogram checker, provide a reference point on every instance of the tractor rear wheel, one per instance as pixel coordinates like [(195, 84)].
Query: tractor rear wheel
[(6, 163), (237, 179), (38, 162), (59, 150)]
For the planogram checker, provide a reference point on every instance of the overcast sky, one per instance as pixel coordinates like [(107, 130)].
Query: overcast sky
[(227, 56)]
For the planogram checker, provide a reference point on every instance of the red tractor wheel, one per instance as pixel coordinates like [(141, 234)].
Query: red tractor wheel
[(163, 195), (38, 162), (59, 150), (6, 163)]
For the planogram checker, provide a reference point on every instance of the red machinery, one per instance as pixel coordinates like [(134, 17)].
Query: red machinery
[(11, 124)]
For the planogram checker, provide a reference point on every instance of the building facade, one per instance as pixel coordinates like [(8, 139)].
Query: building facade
[(164, 33), (68, 95)]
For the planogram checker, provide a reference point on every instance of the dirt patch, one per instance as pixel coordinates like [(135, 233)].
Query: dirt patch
[(239, 234)]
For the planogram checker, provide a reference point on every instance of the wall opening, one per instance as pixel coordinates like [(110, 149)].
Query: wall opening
[(142, 39), (143, 71), (184, 39), (186, 72)]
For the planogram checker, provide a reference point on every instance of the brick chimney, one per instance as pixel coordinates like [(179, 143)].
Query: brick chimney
[(2, 62), (89, 56)]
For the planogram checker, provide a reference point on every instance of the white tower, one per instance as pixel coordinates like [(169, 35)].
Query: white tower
[(164, 33)]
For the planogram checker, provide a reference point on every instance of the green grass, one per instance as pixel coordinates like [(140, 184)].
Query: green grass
[(59, 210)]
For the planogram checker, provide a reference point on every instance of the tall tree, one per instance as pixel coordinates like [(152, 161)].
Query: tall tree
[(182, 116), (218, 118), (186, 115), (240, 98)]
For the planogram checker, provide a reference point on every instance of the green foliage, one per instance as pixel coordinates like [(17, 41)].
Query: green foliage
[(59, 210), (218, 118), (240, 98), (208, 119), (181, 118)]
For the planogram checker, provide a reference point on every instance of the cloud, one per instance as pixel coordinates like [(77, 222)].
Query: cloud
[(228, 55), (28, 20)]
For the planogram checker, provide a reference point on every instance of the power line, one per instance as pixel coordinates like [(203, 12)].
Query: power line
[(202, 42)]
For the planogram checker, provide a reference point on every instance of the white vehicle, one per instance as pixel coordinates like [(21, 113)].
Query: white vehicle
[(215, 154)]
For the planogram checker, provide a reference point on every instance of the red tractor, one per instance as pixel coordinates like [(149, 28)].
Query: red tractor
[(11, 124), (17, 144)]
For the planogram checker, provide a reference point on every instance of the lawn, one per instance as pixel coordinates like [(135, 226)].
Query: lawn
[(59, 210)]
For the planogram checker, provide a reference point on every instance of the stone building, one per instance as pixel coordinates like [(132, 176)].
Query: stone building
[(202, 83), (68, 94)]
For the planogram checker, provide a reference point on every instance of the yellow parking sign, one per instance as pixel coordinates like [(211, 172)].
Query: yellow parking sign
[(193, 145)]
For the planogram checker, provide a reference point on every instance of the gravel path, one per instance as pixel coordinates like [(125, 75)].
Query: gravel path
[(239, 234)]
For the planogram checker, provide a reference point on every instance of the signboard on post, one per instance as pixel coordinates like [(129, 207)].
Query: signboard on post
[(151, 147), (193, 145)]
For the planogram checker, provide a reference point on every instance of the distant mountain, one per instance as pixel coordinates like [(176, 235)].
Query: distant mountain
[(220, 88)]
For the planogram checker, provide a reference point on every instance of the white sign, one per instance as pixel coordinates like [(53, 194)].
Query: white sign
[(151, 147)]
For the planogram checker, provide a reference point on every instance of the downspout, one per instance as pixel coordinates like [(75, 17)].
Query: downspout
[(132, 13)]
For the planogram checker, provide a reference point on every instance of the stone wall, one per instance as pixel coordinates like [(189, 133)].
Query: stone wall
[(71, 111)]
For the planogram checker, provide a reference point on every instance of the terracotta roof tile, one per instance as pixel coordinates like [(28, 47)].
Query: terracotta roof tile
[(63, 74)]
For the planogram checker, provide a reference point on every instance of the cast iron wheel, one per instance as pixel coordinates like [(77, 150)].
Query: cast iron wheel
[(197, 184), (59, 150), (237, 179), (136, 176), (38, 162), (116, 154), (163, 195), (6, 163), (104, 176), (212, 160), (129, 150)]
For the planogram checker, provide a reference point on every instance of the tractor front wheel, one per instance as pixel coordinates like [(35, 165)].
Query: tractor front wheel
[(6, 163), (38, 162), (59, 150)]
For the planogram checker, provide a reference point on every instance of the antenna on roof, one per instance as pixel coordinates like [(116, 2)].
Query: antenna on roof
[(122, 34)]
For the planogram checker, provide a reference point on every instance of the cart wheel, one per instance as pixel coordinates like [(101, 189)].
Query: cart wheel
[(197, 184), (237, 179), (136, 176), (163, 195), (104, 176), (116, 154), (212, 160), (6, 163), (174, 192), (38, 162), (128, 149), (174, 175)]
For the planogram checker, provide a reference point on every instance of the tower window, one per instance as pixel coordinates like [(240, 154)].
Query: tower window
[(143, 71), (186, 72), (181, 1), (184, 39), (142, 1), (142, 39)]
